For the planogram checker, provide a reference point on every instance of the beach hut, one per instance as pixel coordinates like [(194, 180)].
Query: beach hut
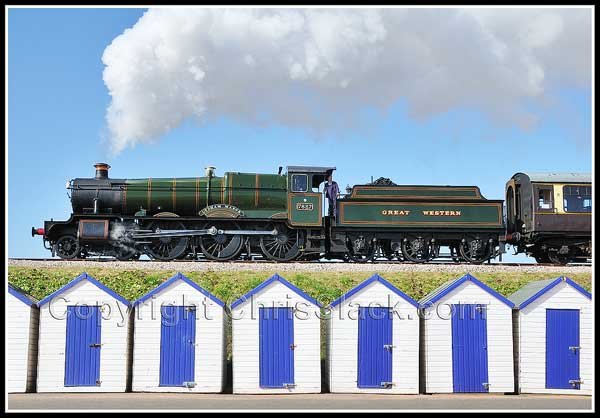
[(373, 340), (276, 340), (21, 322), (466, 339), (84, 343), (179, 339), (553, 335)]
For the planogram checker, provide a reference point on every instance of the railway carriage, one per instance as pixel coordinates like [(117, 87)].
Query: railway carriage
[(282, 217), (549, 216)]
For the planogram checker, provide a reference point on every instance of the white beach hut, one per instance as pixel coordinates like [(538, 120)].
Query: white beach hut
[(373, 340), (466, 339), (553, 334), (84, 343), (21, 319), (179, 339), (276, 340)]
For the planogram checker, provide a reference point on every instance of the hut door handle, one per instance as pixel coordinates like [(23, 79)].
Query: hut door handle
[(293, 346), (574, 348), (96, 345), (388, 346)]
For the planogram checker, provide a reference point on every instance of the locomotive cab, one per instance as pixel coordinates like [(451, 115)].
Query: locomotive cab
[(305, 200)]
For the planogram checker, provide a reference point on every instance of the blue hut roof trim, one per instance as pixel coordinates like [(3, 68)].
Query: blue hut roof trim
[(533, 290), (175, 278), (275, 278), (374, 278), (451, 285), (84, 276)]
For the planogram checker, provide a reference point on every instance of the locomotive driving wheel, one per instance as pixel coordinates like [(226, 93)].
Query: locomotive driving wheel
[(475, 250), (67, 247), (221, 247), (280, 247), (166, 248), (418, 249)]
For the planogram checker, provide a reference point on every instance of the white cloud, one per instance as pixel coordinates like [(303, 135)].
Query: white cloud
[(311, 68)]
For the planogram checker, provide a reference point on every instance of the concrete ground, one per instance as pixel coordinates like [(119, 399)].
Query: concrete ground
[(328, 401)]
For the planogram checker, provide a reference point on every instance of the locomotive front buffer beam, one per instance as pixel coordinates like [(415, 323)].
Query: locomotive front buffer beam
[(168, 233)]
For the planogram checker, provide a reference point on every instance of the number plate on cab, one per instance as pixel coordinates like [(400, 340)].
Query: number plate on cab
[(304, 206)]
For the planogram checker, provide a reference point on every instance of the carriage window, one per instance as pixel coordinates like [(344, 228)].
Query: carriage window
[(544, 198), (577, 198), (299, 182)]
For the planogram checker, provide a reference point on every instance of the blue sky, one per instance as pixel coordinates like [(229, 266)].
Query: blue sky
[(57, 129)]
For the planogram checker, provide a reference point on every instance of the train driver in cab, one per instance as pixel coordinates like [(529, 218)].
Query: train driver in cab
[(332, 192)]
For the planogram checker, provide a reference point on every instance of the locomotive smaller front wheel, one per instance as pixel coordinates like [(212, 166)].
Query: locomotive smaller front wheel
[(67, 247)]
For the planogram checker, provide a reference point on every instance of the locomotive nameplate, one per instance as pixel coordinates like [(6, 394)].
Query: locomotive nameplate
[(304, 206)]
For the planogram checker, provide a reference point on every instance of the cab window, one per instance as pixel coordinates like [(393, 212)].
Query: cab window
[(577, 198), (299, 183), (544, 198)]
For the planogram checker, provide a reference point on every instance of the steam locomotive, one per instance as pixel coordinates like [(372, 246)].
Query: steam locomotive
[(281, 217)]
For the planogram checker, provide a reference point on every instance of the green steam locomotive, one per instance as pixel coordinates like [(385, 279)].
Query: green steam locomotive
[(280, 217)]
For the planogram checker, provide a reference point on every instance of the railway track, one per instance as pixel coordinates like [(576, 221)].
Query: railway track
[(263, 261)]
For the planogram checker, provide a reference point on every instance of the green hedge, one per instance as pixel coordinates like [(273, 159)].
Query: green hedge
[(229, 285)]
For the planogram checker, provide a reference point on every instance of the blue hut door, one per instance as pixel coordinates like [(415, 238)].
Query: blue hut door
[(83, 342), (562, 349), (469, 348), (374, 348), (276, 347), (177, 345)]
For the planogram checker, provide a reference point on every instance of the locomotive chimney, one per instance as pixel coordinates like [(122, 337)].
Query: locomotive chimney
[(101, 170)]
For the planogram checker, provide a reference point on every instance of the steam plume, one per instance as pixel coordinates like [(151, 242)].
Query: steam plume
[(315, 68)]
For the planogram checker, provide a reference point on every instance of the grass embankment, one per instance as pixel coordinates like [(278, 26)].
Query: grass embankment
[(229, 285)]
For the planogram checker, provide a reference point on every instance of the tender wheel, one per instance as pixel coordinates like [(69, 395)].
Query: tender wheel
[(221, 247), (361, 249), (418, 250), (67, 247), (280, 247), (475, 251), (166, 248)]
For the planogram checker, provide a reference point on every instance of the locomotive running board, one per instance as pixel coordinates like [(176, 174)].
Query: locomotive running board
[(165, 233)]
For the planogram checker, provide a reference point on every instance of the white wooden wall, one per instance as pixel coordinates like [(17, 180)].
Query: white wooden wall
[(532, 340), (21, 344), (343, 342), (210, 348), (437, 341), (245, 341), (114, 354)]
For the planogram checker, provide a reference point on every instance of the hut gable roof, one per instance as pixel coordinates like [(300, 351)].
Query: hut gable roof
[(82, 277), (171, 281), (448, 287), (533, 290), (21, 295), (275, 278), (376, 278)]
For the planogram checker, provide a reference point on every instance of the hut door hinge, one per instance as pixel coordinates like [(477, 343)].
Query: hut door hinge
[(293, 346), (387, 384), (486, 385), (289, 385), (97, 345), (480, 308), (574, 348), (389, 346), (98, 382), (189, 384)]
